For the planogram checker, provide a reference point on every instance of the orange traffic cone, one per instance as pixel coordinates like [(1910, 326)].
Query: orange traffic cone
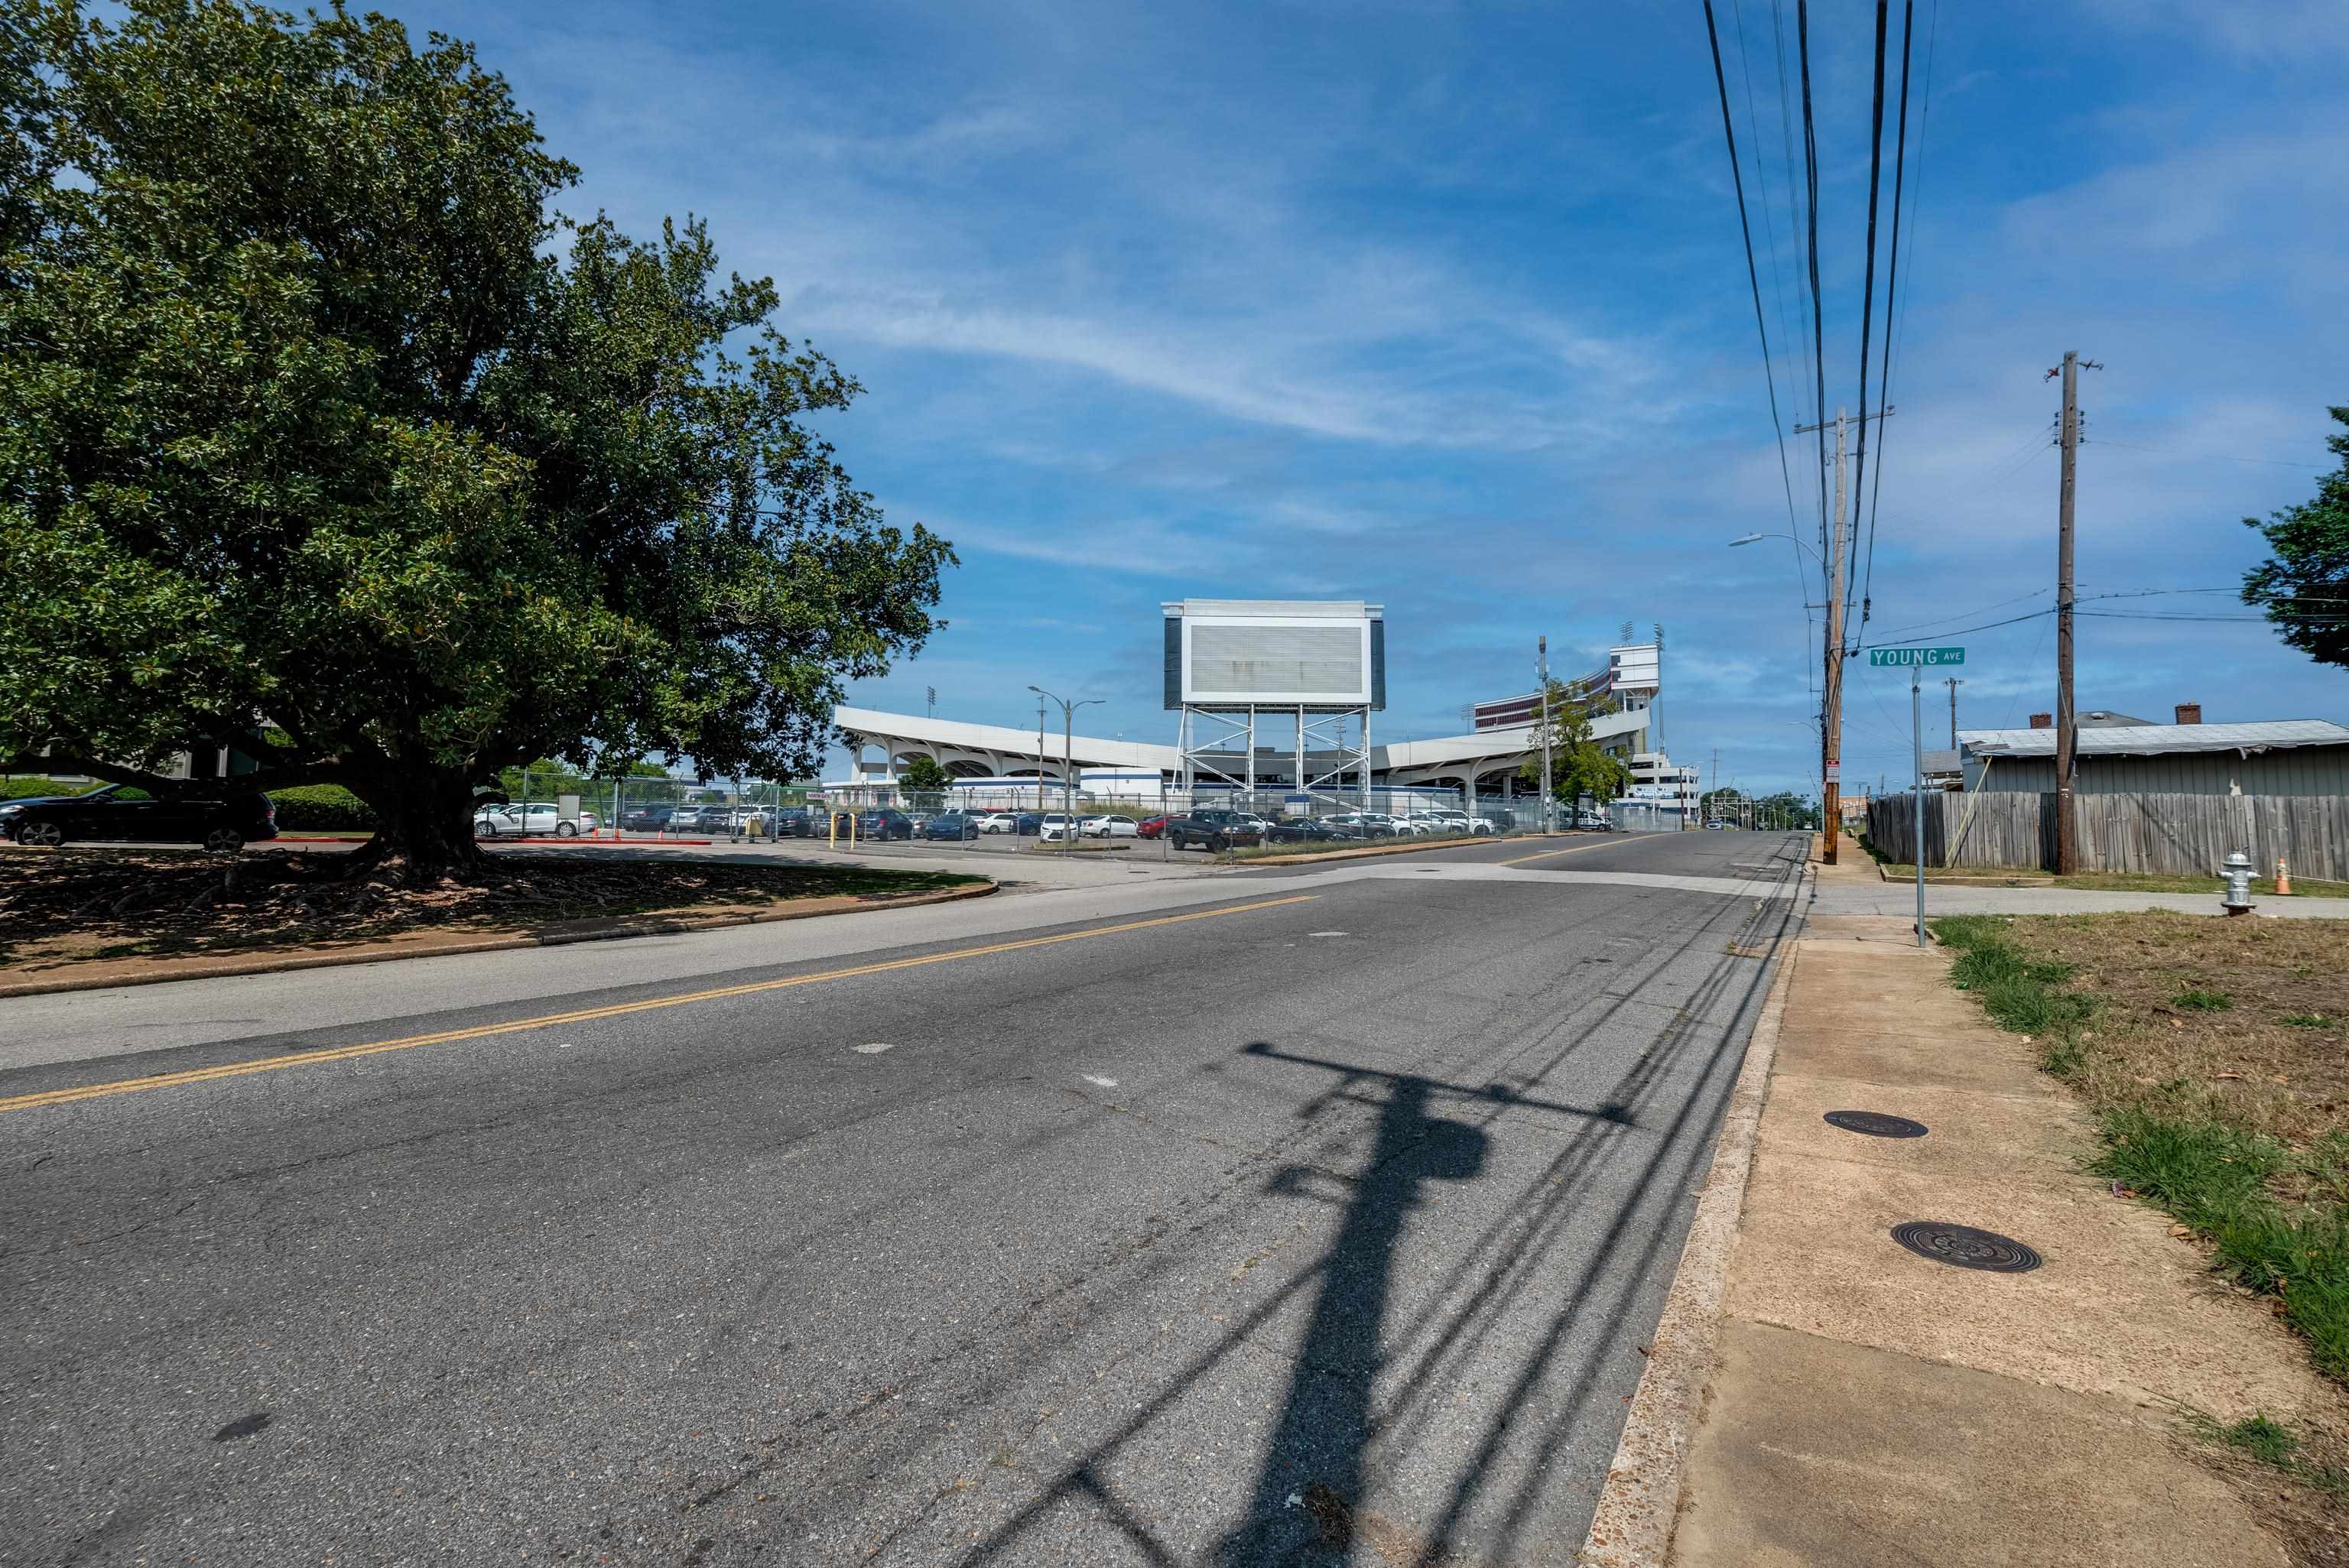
[(2283, 878)]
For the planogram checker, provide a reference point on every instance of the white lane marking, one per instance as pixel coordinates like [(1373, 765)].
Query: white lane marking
[(1105, 1083), (1325, 934), (563, 1047), (872, 1050)]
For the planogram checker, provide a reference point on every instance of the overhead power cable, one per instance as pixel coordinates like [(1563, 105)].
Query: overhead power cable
[(1753, 277), (1892, 292), (1818, 334), (1867, 291)]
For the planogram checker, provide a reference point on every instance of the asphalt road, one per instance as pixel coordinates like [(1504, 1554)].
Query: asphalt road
[(1274, 1218)]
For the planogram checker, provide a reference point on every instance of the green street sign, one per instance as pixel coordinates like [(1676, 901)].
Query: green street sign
[(1904, 658)]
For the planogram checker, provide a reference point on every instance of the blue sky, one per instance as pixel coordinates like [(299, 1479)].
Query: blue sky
[(1444, 306)]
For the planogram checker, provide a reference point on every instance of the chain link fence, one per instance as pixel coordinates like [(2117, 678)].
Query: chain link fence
[(1012, 817), (995, 817)]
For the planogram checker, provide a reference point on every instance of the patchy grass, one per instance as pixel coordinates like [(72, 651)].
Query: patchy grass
[(74, 905), (2217, 1102), (2297, 1477), (2210, 883), (2106, 881)]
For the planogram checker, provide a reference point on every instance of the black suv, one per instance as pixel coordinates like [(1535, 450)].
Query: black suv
[(1216, 831), (216, 815), (886, 824)]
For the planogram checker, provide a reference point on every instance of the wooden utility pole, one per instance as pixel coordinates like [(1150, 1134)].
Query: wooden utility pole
[(2067, 739), (1831, 732), (1953, 683), (1831, 714)]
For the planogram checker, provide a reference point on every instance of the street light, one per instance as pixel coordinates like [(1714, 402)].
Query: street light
[(1797, 543), (1068, 754)]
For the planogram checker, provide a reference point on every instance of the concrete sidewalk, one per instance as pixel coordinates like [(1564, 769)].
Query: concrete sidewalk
[(1865, 1406)]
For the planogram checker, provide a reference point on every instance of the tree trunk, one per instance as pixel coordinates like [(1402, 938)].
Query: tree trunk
[(424, 828)]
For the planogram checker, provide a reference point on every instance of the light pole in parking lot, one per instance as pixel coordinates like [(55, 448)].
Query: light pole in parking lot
[(1068, 752)]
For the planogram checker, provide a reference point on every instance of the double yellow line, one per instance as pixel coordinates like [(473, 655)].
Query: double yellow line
[(588, 1014)]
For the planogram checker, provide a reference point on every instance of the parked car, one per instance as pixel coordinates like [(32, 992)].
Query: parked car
[(1716, 826), (1301, 830), (1593, 821), (795, 822), (997, 822), (213, 813), (1358, 825), (951, 825), (1027, 824), (650, 819), (1053, 826), (1110, 826), (1151, 827), (531, 817), (885, 823), (1214, 830)]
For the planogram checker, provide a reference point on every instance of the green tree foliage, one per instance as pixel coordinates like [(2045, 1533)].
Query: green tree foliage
[(1579, 766), (323, 434), (2304, 585), (923, 773)]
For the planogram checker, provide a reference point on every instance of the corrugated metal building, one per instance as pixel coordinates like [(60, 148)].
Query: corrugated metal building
[(2286, 757)]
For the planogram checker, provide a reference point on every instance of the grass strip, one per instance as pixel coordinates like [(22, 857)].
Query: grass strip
[(2217, 1179)]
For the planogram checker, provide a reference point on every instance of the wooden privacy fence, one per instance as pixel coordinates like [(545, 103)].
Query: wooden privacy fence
[(2188, 834)]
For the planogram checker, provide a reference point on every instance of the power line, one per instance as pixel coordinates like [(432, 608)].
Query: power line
[(1753, 278), (1818, 334), (1961, 631), (1892, 292), (1924, 125), (1762, 179), (1868, 293), (1761, 323), (1963, 615), (2199, 457)]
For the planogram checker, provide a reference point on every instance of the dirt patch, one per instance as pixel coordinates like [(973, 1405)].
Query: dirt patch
[(2246, 1021), (69, 907)]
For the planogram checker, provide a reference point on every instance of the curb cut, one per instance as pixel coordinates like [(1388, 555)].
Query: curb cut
[(1639, 1503), (654, 924)]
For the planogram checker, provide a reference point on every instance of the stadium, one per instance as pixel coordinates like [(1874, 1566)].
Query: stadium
[(1277, 701)]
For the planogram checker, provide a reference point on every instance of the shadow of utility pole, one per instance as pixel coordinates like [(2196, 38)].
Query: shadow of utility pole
[(1310, 1487)]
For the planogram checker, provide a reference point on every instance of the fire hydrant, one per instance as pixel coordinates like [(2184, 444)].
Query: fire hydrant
[(2237, 899)]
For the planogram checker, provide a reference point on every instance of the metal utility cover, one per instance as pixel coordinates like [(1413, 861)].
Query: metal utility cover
[(1875, 1123), (1963, 1247)]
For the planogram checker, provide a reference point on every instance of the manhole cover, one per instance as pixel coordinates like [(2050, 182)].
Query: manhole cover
[(1875, 1124), (1965, 1247)]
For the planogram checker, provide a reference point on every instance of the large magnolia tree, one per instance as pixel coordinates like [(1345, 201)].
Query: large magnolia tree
[(323, 436)]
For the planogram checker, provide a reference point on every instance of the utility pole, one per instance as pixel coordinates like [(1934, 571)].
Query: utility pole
[(1039, 754), (1831, 714), (2067, 740), (1953, 683), (1541, 665)]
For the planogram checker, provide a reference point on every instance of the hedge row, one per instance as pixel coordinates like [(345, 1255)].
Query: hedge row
[(20, 789), (306, 809), (321, 809)]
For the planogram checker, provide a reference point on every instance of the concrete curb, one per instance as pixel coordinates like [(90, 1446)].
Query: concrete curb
[(1638, 1504), (652, 924)]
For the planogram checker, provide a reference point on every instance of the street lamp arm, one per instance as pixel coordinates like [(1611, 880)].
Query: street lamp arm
[(1797, 543)]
